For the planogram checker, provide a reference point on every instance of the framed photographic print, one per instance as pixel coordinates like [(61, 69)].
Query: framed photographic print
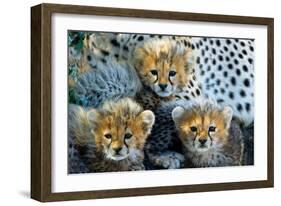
[(130, 102)]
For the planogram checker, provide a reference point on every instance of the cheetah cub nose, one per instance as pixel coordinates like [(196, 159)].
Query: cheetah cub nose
[(202, 141), (163, 86), (117, 150)]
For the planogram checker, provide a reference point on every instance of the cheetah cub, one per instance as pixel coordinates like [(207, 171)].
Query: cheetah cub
[(165, 68), (111, 137), (209, 136)]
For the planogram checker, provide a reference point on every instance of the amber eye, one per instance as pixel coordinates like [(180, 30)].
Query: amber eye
[(154, 72), (128, 136), (108, 136), (212, 129), (193, 129), (172, 73)]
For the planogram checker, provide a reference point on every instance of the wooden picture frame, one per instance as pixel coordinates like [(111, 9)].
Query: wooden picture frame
[(41, 117)]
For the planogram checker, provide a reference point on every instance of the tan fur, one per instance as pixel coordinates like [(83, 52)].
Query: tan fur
[(78, 125), (98, 40), (124, 116), (202, 122), (223, 145), (83, 63), (116, 119), (163, 55)]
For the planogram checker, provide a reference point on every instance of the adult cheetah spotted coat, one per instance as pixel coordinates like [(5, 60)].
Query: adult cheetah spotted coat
[(223, 68)]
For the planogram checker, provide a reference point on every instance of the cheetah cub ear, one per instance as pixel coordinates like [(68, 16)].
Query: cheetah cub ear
[(227, 113), (147, 117), (177, 113)]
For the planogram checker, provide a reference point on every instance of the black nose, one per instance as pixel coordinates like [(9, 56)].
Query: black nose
[(202, 141), (117, 150), (163, 86)]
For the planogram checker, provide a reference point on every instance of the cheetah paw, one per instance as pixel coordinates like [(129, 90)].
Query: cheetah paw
[(170, 160)]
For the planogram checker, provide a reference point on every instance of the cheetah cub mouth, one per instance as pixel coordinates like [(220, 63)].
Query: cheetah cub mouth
[(117, 157), (163, 90), (115, 152)]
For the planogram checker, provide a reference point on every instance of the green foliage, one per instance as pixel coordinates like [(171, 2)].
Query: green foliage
[(75, 39), (72, 71), (71, 97)]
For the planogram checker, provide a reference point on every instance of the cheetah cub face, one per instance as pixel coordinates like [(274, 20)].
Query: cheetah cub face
[(120, 128), (203, 128), (163, 65)]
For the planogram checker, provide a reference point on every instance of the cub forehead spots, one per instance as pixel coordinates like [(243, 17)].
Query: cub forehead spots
[(202, 116), (120, 117), (155, 51)]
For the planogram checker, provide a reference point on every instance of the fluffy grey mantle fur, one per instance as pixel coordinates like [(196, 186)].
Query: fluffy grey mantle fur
[(111, 81)]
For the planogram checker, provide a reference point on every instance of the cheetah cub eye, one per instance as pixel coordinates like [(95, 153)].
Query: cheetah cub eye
[(201, 130), (172, 73), (193, 129), (212, 129), (128, 136), (163, 65), (108, 136), (154, 72), (120, 128)]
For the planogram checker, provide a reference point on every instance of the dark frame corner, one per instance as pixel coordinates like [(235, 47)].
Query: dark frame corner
[(41, 101)]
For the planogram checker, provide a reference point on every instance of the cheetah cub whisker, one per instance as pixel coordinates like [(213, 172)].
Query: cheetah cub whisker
[(117, 132), (208, 135)]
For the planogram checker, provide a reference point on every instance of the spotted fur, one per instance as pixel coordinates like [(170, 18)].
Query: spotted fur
[(181, 126), (225, 71), (110, 138), (223, 67), (163, 65), (209, 136)]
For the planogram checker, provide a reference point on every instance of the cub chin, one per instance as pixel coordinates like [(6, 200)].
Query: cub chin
[(111, 137), (209, 136)]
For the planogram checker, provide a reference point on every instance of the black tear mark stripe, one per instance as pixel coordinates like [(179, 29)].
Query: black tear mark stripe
[(125, 143), (210, 136), (156, 79), (170, 81), (108, 147), (194, 139)]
